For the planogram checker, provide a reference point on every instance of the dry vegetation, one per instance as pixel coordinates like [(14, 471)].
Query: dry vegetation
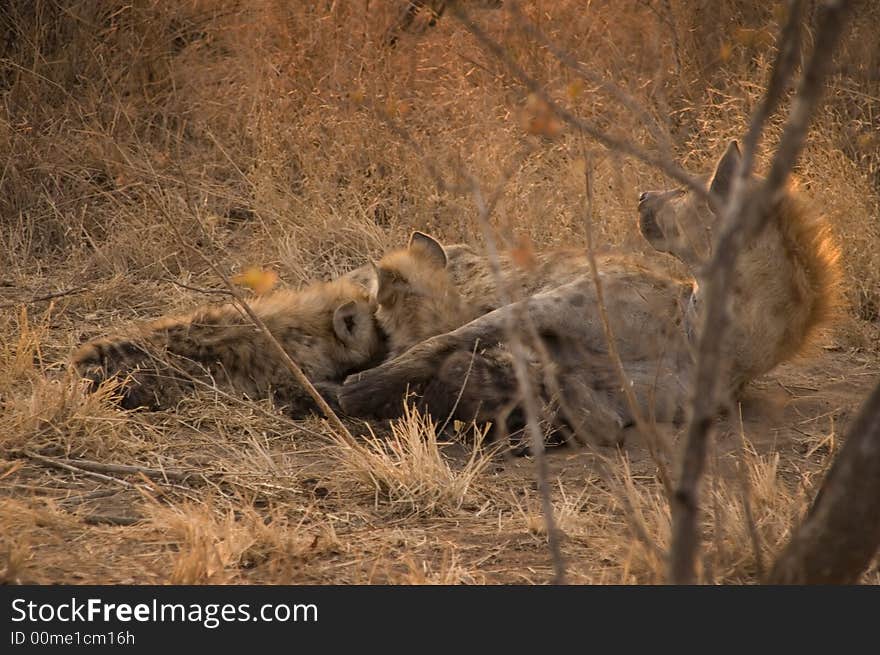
[(300, 141)]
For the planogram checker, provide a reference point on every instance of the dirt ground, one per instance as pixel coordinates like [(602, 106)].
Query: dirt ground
[(264, 500)]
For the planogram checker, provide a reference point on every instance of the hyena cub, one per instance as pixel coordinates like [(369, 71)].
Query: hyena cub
[(415, 294), (328, 328)]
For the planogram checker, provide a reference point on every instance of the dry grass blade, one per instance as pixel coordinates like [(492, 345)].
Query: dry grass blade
[(408, 470), (754, 535)]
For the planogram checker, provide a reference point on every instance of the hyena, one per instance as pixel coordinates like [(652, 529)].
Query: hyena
[(785, 287), (328, 328), (426, 289)]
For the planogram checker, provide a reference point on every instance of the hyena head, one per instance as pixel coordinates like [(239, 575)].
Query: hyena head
[(415, 294), (355, 340), (679, 222)]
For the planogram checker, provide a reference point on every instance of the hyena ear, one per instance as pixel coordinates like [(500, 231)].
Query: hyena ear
[(428, 248), (370, 279), (364, 276), (725, 170), (345, 320), (386, 286)]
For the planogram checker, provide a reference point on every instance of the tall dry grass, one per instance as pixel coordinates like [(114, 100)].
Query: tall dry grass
[(268, 123)]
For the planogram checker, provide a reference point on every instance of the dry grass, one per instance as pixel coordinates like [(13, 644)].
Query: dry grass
[(408, 472), (268, 123)]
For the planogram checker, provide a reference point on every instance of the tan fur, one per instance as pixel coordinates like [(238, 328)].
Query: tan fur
[(785, 287), (418, 298), (786, 283), (328, 328)]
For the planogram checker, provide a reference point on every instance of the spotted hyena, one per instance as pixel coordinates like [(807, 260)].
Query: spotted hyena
[(784, 289), (328, 328)]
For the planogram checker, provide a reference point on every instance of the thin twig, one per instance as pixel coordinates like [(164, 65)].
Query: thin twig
[(48, 296), (79, 499), (216, 292), (647, 428), (660, 136), (49, 461), (467, 375), (665, 164), (101, 467), (529, 399)]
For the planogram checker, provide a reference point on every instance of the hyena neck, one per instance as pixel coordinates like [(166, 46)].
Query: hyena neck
[(785, 288)]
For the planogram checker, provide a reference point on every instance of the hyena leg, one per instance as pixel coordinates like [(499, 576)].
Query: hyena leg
[(588, 412), (472, 386), (297, 403), (483, 387), (570, 383)]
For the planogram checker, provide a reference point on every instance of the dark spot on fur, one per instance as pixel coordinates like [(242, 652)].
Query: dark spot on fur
[(578, 300)]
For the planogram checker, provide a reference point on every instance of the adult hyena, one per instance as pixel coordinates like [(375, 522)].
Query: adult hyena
[(784, 289), (426, 288), (328, 328)]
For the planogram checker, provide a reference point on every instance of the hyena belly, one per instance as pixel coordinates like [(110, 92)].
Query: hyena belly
[(327, 328), (468, 373)]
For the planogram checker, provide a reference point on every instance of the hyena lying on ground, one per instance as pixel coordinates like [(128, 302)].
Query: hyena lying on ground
[(785, 288), (328, 328), (426, 289)]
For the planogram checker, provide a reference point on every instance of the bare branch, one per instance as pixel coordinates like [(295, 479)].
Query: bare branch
[(49, 461), (48, 296), (743, 218), (102, 467), (780, 72), (530, 401), (647, 428), (841, 533), (628, 101)]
